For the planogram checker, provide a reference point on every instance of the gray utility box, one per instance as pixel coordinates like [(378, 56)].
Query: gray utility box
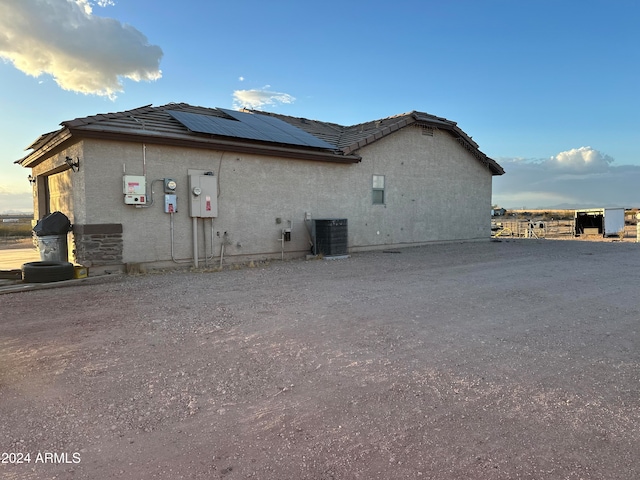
[(330, 237), (203, 193)]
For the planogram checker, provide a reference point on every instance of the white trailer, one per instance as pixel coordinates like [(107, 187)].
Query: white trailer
[(607, 222)]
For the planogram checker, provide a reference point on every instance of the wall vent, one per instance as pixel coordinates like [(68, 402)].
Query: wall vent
[(428, 131)]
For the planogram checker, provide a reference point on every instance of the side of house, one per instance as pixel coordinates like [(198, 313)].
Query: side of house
[(409, 188)]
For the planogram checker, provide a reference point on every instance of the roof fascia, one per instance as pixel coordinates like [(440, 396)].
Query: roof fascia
[(218, 144), (43, 152), (465, 140), (416, 119), (374, 137)]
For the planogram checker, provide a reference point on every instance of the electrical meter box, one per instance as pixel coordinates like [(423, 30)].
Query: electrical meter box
[(134, 188), (203, 192), (170, 185)]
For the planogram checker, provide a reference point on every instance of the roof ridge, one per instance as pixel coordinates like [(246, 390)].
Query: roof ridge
[(106, 116)]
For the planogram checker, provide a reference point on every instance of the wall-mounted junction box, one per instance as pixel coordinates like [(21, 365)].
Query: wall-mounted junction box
[(203, 193), (170, 203), (134, 188)]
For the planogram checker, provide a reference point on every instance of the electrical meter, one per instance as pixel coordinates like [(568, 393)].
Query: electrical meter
[(170, 185)]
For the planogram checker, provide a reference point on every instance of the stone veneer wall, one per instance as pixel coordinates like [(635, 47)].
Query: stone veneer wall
[(98, 244)]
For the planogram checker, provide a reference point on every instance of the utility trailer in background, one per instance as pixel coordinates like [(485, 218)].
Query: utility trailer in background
[(607, 222)]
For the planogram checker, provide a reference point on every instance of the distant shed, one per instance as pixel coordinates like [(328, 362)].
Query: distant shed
[(607, 222)]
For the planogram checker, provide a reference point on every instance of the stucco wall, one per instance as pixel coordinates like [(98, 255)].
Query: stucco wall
[(66, 187), (435, 191)]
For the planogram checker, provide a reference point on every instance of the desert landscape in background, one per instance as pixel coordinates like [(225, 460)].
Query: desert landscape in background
[(554, 224)]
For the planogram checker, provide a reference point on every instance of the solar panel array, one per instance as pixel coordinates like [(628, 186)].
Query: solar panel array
[(250, 126)]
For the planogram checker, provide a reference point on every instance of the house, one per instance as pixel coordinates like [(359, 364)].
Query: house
[(177, 183)]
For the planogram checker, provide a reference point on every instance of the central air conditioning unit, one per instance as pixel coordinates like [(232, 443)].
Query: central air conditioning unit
[(330, 237)]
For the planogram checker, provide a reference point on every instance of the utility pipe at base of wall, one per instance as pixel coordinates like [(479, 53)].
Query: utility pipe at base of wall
[(204, 235), (206, 259), (172, 254), (194, 224)]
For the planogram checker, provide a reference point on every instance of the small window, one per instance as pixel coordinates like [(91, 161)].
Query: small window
[(378, 190)]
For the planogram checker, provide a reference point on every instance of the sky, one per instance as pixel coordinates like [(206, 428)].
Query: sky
[(550, 89)]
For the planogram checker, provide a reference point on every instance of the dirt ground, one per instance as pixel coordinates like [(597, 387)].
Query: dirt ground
[(513, 359), (8, 244)]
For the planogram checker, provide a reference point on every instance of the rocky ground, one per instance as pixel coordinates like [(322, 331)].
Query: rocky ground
[(516, 359)]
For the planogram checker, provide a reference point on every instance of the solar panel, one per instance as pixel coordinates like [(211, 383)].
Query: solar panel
[(250, 126), (278, 129), (214, 125)]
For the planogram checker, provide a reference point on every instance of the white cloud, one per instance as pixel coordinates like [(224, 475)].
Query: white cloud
[(83, 53), (256, 99), (580, 177), (241, 78), (583, 159)]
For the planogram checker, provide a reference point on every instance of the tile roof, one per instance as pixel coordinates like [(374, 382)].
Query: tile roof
[(156, 124)]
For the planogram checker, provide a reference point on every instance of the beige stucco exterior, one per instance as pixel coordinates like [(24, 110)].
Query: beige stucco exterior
[(435, 191)]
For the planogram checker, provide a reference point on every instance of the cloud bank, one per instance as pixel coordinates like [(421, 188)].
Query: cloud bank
[(82, 52), (577, 178), (14, 199), (256, 99)]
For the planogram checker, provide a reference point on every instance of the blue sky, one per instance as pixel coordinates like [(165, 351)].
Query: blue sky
[(549, 89)]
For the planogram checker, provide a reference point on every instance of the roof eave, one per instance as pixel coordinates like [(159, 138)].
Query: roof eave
[(464, 139), (219, 144), (377, 135), (472, 147), (45, 150), (416, 118)]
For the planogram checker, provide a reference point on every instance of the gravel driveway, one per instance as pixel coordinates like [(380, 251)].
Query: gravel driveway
[(498, 360)]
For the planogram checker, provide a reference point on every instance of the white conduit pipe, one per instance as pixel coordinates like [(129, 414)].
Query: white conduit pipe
[(194, 222), (172, 254), (172, 244), (204, 234), (212, 252)]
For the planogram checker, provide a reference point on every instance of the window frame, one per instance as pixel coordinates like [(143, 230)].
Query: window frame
[(377, 190)]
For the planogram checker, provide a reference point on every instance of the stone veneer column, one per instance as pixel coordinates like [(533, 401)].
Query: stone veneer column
[(98, 244)]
